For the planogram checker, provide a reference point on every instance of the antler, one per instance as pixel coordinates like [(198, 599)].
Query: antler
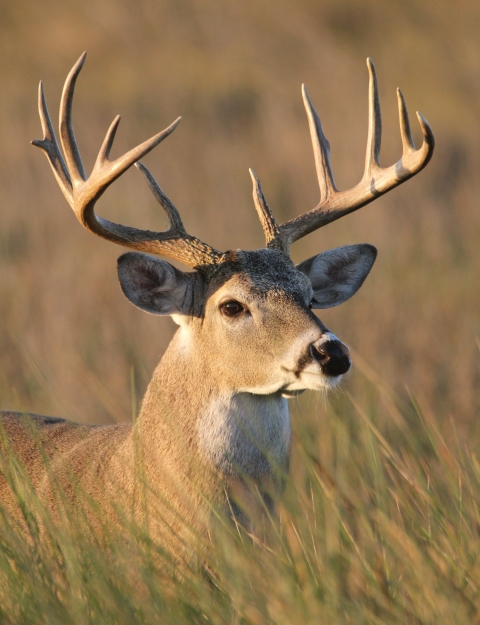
[(376, 180), (82, 192)]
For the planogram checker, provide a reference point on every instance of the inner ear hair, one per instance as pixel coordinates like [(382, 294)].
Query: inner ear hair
[(154, 285)]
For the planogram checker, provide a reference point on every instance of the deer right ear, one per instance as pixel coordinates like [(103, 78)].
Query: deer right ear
[(154, 285), (337, 274)]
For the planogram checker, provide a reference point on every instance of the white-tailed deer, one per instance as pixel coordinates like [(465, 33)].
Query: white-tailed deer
[(214, 425)]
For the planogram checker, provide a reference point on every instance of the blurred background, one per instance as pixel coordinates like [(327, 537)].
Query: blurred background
[(70, 343)]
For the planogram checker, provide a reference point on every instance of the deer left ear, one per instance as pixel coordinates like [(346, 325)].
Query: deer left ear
[(154, 285), (337, 274)]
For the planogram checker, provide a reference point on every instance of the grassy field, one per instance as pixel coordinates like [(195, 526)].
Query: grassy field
[(380, 520), (374, 528)]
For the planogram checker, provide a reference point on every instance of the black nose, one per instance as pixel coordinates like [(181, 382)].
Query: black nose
[(333, 357)]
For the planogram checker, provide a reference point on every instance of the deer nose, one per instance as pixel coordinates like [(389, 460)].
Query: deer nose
[(333, 357)]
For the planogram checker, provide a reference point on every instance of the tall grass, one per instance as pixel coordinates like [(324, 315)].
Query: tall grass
[(68, 337), (378, 525)]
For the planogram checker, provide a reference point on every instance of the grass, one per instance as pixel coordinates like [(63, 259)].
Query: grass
[(377, 525), (67, 332)]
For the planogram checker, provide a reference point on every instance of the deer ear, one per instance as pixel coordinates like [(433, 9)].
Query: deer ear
[(337, 274), (154, 285)]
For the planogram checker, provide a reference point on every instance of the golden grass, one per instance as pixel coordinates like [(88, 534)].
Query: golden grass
[(68, 338), (379, 524)]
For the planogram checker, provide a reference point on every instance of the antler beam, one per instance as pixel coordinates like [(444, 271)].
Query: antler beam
[(82, 192)]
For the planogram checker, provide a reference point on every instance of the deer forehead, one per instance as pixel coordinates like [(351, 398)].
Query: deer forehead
[(260, 276)]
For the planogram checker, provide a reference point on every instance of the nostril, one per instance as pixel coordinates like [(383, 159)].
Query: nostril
[(320, 353), (333, 356)]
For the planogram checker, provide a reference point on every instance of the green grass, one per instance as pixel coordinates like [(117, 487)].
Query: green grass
[(379, 524)]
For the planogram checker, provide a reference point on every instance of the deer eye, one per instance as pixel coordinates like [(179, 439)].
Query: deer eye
[(232, 308)]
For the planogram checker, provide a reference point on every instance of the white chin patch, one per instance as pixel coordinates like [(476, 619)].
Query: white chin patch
[(310, 382), (331, 381)]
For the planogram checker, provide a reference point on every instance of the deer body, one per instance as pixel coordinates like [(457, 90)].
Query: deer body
[(214, 425)]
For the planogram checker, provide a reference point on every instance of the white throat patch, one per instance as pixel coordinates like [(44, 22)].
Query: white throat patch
[(246, 435)]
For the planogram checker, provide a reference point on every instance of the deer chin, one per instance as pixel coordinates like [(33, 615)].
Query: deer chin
[(310, 381)]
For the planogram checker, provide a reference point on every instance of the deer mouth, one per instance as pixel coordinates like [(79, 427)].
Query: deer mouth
[(312, 380), (291, 394)]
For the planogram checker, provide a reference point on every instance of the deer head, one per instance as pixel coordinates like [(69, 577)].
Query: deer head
[(251, 309)]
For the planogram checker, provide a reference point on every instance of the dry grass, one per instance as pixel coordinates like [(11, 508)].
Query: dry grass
[(380, 524), (68, 339)]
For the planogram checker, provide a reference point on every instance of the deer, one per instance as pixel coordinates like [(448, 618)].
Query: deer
[(214, 426)]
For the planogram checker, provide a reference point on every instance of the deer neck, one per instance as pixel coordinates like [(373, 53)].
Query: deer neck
[(189, 419)]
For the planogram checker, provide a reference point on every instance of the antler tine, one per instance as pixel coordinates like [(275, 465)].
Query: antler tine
[(423, 154), (175, 242), (82, 192), (67, 136), (405, 132), (50, 148), (321, 149), (176, 223), (270, 227), (375, 181), (374, 138)]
